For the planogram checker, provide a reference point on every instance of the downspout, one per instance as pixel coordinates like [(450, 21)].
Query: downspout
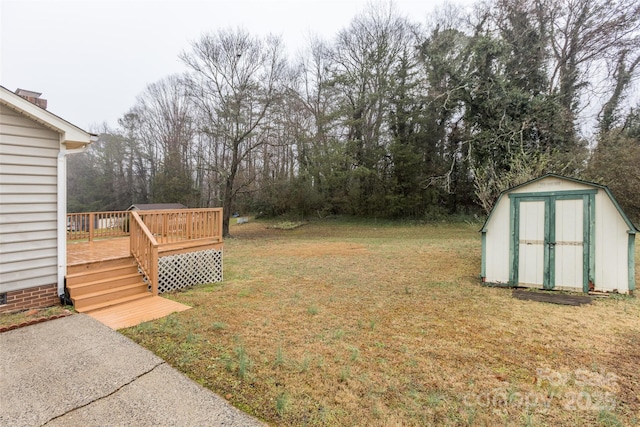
[(62, 213)]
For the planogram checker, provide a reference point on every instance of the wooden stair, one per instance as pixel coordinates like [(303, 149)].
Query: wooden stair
[(97, 285), (113, 292), (133, 313)]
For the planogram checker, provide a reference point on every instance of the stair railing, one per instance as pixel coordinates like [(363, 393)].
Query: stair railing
[(144, 249)]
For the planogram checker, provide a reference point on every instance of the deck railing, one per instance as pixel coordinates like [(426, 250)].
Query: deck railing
[(168, 226), (144, 249), (184, 224), (97, 225)]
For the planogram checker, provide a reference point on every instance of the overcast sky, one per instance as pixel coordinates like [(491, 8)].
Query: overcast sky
[(90, 58)]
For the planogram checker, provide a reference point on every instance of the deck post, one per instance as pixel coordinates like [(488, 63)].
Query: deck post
[(91, 230), (165, 226), (154, 270), (189, 224)]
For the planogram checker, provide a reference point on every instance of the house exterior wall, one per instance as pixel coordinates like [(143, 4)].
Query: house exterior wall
[(28, 191), (611, 240)]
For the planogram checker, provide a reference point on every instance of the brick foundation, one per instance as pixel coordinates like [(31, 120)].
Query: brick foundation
[(37, 297)]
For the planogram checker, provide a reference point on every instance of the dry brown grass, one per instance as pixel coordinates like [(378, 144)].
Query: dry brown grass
[(338, 323)]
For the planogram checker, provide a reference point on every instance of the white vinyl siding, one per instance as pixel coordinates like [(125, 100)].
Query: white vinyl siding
[(30, 239), (13, 251), (33, 182), (23, 200), (28, 219)]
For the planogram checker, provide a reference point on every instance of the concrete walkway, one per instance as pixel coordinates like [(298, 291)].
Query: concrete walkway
[(75, 371)]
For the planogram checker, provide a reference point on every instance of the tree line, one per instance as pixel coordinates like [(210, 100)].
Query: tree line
[(389, 118)]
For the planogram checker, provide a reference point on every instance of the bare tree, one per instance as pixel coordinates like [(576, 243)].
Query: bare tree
[(583, 33), (622, 76), (234, 80), (167, 129)]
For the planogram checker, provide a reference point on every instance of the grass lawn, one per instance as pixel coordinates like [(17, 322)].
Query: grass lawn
[(24, 317), (352, 323)]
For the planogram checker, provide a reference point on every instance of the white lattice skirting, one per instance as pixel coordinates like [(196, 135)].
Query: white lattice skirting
[(185, 270)]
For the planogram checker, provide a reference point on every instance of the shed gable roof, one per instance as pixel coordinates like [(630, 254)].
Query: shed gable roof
[(156, 206), (70, 135), (632, 227)]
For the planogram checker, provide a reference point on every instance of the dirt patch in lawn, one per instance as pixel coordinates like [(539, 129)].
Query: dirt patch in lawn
[(339, 323), (317, 249)]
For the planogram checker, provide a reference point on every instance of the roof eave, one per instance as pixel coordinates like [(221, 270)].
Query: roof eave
[(70, 135)]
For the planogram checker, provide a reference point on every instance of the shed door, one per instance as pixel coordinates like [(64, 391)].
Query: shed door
[(532, 230), (551, 240), (569, 244)]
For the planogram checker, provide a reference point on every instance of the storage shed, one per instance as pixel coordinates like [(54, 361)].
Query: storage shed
[(555, 232)]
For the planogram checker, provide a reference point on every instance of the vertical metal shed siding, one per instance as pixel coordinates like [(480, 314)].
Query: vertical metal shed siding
[(28, 188), (611, 246), (497, 244)]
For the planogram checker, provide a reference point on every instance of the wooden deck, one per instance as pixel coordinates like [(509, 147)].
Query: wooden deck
[(79, 253), (98, 250), (135, 312), (113, 260)]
